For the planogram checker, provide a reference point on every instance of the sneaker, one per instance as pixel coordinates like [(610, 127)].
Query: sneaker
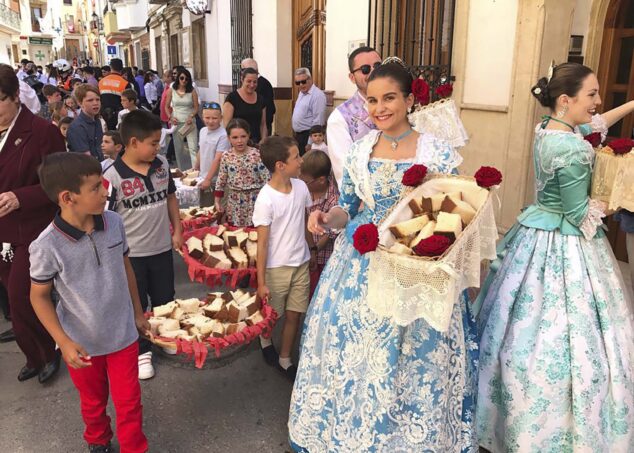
[(92, 448), (290, 372), (146, 370), (270, 355)]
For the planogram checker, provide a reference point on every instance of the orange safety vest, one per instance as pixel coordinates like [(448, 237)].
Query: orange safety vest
[(112, 84)]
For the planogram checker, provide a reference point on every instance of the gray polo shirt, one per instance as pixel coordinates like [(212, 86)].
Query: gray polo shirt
[(95, 309), (142, 202)]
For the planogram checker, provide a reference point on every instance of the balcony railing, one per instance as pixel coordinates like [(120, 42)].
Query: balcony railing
[(9, 18)]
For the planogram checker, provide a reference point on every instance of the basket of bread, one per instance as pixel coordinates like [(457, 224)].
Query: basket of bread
[(221, 254), (196, 217), (430, 247), (613, 174), (186, 183), (222, 320)]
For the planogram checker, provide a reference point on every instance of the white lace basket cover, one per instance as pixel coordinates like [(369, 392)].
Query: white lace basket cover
[(442, 120), (612, 178), (187, 195), (407, 287)]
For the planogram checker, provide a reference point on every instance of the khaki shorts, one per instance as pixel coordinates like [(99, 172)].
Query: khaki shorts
[(289, 287)]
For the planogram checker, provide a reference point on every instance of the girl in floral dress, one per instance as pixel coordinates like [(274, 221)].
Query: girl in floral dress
[(240, 177), (557, 346), (365, 383)]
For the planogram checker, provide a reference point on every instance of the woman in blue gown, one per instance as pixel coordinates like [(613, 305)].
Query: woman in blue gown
[(557, 346), (364, 383)]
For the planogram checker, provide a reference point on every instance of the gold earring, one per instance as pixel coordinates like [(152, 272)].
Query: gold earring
[(562, 112)]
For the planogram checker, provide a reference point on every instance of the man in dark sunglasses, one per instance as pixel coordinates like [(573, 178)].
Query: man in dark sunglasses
[(310, 108), (350, 121)]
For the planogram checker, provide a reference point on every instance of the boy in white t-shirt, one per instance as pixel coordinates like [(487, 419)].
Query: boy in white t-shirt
[(212, 142), (283, 251)]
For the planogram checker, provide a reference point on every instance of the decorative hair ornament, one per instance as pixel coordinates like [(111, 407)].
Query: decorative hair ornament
[(551, 71), (537, 91), (395, 60)]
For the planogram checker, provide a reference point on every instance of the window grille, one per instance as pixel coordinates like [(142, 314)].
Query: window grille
[(241, 36)]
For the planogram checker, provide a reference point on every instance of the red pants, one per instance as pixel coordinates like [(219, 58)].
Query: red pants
[(118, 371), (314, 278), (34, 341)]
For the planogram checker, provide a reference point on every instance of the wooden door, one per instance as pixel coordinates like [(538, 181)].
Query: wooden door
[(309, 39), (616, 80)]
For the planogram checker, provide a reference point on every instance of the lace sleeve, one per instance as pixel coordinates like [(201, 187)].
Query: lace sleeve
[(592, 220), (598, 124)]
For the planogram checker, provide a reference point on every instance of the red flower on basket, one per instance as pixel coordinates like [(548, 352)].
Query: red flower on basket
[(366, 238), (444, 90), (594, 139), (414, 175), (420, 89), (434, 245), (488, 177), (621, 145)]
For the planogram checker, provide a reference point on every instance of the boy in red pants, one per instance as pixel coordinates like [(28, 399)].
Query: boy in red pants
[(83, 253)]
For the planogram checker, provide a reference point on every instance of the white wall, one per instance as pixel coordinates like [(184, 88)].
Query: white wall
[(345, 21), (272, 40), (490, 49), (224, 41), (5, 49), (213, 55), (581, 21)]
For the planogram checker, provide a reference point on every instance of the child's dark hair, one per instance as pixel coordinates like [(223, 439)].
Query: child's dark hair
[(115, 136), (66, 120), (317, 130), (276, 149), (238, 123), (130, 95), (567, 79), (396, 72), (316, 164), (66, 171), (139, 124), (50, 90)]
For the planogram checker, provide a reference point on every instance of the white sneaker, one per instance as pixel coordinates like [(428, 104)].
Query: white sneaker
[(146, 370)]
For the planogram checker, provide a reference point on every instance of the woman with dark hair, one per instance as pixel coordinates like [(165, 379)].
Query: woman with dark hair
[(557, 345), (25, 211), (364, 382), (129, 76), (246, 104), (182, 107)]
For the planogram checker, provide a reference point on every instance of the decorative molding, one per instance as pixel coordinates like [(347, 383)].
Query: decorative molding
[(316, 18), (485, 108)]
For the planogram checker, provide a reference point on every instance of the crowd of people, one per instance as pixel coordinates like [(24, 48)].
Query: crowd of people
[(87, 201)]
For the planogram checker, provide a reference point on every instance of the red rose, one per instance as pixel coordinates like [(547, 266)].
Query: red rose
[(594, 139), (420, 88), (366, 238), (434, 245), (414, 175), (444, 90), (621, 145), (488, 176)]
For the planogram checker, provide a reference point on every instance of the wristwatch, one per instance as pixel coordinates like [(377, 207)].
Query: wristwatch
[(313, 248)]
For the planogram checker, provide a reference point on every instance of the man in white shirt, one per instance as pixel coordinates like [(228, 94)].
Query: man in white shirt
[(350, 121), (310, 108)]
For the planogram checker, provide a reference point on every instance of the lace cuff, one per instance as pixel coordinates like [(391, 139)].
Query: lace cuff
[(592, 219), (7, 252), (598, 124)]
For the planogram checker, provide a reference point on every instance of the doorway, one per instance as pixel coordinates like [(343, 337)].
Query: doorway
[(309, 39)]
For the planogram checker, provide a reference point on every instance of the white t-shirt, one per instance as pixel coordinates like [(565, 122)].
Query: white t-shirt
[(285, 214), (321, 147), (211, 142)]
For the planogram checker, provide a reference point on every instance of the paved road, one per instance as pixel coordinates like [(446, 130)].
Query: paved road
[(240, 406)]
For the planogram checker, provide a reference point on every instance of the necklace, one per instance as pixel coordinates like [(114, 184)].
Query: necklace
[(395, 140), (548, 118)]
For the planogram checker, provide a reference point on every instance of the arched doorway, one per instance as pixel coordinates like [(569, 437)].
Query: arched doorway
[(616, 79)]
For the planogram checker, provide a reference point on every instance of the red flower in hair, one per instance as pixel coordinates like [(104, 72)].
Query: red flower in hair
[(420, 88), (594, 139), (414, 175), (488, 177), (444, 90), (366, 238), (434, 245), (621, 145)]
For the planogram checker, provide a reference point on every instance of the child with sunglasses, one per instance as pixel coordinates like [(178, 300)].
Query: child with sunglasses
[(241, 176), (212, 142)]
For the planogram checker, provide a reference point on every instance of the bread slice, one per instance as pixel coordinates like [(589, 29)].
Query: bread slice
[(214, 307), (236, 312), (175, 334), (168, 325), (218, 329), (236, 238), (188, 305), (155, 323), (401, 249), (195, 247), (427, 231), (213, 243), (195, 321), (252, 252), (455, 205), (409, 227), (165, 310), (449, 225), (251, 304), (255, 318), (227, 296), (237, 295), (239, 259), (253, 236), (432, 204), (213, 296), (177, 313), (221, 231), (223, 314), (217, 259), (235, 327), (416, 206)]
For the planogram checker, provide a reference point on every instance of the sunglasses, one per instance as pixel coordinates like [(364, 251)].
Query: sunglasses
[(211, 105), (366, 68), (183, 78), (301, 82)]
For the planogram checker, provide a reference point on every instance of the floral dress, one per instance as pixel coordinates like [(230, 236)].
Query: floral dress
[(364, 383), (240, 178), (557, 345)]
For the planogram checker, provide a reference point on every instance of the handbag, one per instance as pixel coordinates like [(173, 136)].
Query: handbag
[(186, 129)]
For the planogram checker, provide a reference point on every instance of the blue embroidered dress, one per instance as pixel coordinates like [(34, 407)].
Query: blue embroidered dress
[(365, 384), (557, 345)]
